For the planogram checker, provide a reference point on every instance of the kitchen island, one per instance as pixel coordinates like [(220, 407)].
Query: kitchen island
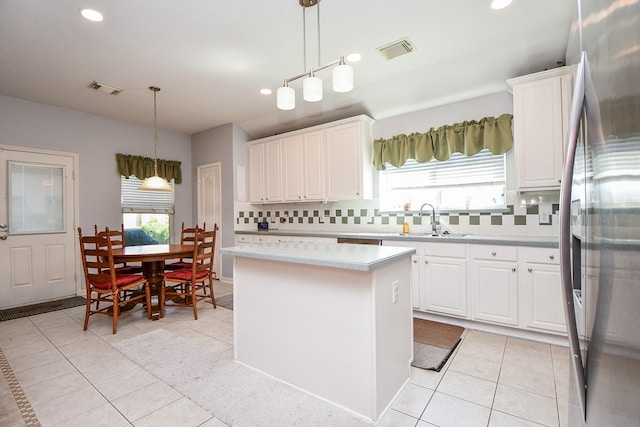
[(333, 320)]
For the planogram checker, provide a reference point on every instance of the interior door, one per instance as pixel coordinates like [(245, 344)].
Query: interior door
[(209, 204), (37, 239)]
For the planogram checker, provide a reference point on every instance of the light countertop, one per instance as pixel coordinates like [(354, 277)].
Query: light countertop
[(350, 257), (480, 239)]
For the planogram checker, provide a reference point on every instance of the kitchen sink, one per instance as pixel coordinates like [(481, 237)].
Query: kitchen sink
[(435, 236)]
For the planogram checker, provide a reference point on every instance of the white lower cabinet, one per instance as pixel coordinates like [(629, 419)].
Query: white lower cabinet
[(541, 304), (438, 277), (445, 278), (494, 283)]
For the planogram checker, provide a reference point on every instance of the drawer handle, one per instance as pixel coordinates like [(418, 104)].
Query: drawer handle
[(529, 269), (415, 261), (426, 261), (551, 256), (513, 269), (493, 253)]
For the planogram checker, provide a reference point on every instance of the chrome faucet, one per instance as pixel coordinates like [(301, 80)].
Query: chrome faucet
[(434, 223)]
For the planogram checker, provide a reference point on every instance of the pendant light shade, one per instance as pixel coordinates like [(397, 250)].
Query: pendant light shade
[(312, 89), (155, 182), (286, 98), (343, 77)]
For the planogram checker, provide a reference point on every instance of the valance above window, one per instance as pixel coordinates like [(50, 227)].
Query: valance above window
[(468, 137), (142, 167)]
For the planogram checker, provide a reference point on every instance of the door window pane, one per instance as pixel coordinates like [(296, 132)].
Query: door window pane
[(36, 198)]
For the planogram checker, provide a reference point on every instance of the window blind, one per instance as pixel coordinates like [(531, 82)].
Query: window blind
[(140, 201), (481, 168)]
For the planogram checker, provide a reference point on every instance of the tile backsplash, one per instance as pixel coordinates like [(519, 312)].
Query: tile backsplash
[(530, 215)]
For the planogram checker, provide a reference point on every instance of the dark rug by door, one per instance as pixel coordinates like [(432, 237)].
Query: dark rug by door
[(225, 301), (43, 307), (433, 343)]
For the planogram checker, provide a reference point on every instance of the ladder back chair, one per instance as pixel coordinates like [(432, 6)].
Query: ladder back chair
[(104, 285), (182, 286)]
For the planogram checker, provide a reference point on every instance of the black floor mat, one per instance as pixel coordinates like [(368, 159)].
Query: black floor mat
[(43, 307)]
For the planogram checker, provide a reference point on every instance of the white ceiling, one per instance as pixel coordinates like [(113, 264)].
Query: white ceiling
[(210, 57)]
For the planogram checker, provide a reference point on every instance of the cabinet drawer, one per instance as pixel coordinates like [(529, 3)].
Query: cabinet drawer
[(453, 250), (244, 238), (542, 255), (502, 253)]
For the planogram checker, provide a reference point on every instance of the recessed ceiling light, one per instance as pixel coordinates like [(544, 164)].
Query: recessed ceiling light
[(354, 57), (92, 15), (266, 91), (500, 4)]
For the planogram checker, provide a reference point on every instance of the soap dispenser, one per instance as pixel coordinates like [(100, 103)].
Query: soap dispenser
[(405, 228)]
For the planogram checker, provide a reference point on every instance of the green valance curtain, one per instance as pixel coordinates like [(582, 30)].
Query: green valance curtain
[(468, 137), (142, 167)]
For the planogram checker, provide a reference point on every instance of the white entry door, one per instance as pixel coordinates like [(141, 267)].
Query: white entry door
[(209, 204), (37, 239)]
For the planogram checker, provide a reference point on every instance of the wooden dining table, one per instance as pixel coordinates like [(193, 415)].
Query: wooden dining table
[(152, 258)]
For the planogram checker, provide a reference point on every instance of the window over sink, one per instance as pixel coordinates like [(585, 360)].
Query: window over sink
[(459, 183)]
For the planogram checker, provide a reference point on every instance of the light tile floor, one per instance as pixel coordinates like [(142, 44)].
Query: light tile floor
[(491, 380)]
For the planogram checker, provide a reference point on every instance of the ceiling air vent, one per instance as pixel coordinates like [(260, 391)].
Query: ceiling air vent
[(105, 88), (396, 48)]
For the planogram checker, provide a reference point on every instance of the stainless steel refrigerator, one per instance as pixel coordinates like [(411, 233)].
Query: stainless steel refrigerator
[(600, 216)]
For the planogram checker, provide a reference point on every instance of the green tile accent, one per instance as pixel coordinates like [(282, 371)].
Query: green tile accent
[(305, 213), (338, 212), (363, 212), (316, 213), (310, 220), (474, 220), (332, 220), (300, 220), (356, 220), (464, 214), (555, 207), (385, 220), (454, 220), (240, 214), (295, 213), (485, 213), (520, 219), (350, 212), (345, 220), (250, 214), (532, 209), (496, 220), (417, 220), (399, 220), (327, 212), (510, 207)]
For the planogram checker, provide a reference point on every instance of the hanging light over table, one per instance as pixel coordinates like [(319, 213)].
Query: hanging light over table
[(155, 182)]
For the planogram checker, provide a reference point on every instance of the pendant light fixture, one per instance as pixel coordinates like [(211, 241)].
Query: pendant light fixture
[(312, 84), (155, 182)]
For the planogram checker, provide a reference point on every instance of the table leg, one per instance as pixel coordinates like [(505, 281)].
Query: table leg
[(152, 271)]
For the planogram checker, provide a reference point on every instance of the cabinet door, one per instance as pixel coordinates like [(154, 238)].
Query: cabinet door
[(538, 133), (344, 162), (272, 161), (495, 292), (292, 168), (313, 165), (256, 173), (543, 306), (445, 282)]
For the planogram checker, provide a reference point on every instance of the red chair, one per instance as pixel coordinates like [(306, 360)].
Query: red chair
[(182, 286), (104, 285), (118, 240), (187, 236)]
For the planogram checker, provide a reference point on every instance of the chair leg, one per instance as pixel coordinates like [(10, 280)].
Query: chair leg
[(194, 287), (213, 298), (116, 310), (161, 300), (147, 291), (87, 311)]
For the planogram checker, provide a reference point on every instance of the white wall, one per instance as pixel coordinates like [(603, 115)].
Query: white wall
[(96, 139), (221, 144)]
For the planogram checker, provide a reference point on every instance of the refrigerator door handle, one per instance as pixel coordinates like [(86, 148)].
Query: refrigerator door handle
[(577, 107)]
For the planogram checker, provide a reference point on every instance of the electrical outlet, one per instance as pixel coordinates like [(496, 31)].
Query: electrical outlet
[(394, 288)]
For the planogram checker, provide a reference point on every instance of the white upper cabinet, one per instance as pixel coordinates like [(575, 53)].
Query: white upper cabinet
[(541, 108), (325, 162), (349, 161)]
